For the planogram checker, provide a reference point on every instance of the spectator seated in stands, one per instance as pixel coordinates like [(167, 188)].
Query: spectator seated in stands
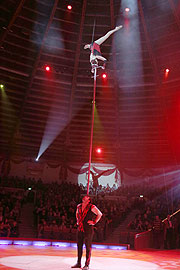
[(14, 229), (10, 207)]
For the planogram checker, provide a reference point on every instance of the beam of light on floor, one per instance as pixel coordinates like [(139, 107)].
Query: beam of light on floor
[(44, 262)]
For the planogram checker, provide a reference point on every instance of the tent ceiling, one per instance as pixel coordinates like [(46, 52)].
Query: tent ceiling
[(137, 112)]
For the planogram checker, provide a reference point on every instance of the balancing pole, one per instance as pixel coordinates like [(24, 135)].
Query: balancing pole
[(93, 30), (92, 128)]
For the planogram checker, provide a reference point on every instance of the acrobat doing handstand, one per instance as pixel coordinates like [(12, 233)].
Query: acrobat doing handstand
[(94, 47)]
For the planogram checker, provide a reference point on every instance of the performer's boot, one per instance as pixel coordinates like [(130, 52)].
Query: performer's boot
[(77, 265), (86, 267)]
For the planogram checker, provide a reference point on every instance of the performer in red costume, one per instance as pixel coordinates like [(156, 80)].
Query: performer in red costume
[(87, 215), (94, 47)]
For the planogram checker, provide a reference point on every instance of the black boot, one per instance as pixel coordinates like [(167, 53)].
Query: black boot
[(77, 265), (86, 267)]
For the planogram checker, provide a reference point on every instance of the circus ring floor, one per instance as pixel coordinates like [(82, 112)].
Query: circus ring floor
[(57, 258)]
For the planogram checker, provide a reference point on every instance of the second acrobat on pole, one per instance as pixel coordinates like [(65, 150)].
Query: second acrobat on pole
[(92, 129)]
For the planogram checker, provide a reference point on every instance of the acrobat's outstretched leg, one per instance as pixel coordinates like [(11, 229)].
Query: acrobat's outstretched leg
[(99, 41), (95, 51)]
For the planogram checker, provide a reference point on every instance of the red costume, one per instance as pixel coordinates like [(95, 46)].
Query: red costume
[(95, 48)]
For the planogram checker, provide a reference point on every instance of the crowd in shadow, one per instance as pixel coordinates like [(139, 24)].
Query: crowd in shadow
[(55, 212), (10, 208), (55, 207), (154, 215)]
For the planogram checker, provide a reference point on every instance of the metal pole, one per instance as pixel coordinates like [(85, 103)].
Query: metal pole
[(92, 128)]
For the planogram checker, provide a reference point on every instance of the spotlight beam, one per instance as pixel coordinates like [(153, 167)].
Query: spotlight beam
[(33, 72), (48, 140), (175, 11), (130, 41)]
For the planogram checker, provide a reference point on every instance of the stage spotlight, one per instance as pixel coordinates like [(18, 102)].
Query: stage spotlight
[(104, 76), (69, 7), (2, 86), (99, 150), (127, 9), (47, 68), (166, 72), (37, 159)]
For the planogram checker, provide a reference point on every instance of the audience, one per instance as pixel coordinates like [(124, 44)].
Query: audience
[(55, 206), (10, 206)]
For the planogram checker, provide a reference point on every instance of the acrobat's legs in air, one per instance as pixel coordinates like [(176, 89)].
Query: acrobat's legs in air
[(107, 35), (95, 49)]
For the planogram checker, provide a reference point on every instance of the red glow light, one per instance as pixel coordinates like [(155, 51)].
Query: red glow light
[(98, 150), (104, 76), (47, 68), (69, 7), (166, 75), (127, 9)]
